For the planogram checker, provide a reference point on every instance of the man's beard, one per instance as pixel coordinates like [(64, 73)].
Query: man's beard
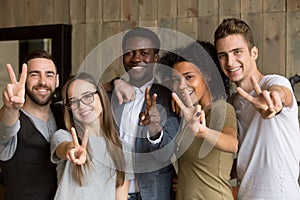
[(36, 99)]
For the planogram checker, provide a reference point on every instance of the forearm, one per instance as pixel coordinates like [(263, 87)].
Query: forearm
[(63, 148), (122, 191), (225, 140), (8, 116)]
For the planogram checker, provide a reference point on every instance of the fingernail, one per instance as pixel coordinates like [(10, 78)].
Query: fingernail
[(198, 114)]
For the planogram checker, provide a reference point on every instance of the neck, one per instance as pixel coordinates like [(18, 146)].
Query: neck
[(140, 83), (246, 83), (41, 112), (205, 100)]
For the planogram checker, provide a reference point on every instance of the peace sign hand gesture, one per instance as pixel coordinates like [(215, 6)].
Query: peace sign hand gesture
[(77, 154), (14, 93), (268, 103), (151, 116), (194, 116)]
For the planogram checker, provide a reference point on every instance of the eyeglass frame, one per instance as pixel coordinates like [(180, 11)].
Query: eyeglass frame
[(69, 104)]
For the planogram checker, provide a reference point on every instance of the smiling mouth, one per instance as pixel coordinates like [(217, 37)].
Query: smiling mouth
[(233, 69), (137, 68), (42, 91)]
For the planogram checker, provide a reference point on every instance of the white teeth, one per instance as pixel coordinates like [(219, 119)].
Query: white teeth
[(234, 69), (137, 68)]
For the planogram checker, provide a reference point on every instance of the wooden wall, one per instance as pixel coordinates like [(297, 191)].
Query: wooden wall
[(276, 23)]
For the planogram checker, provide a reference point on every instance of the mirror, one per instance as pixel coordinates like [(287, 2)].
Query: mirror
[(16, 42)]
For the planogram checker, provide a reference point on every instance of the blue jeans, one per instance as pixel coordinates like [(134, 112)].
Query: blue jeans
[(135, 196)]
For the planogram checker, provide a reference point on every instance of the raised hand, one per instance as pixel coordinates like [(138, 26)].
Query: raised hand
[(124, 91), (77, 154), (268, 103), (194, 116), (151, 116), (14, 93)]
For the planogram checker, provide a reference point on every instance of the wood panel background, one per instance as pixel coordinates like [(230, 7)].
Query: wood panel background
[(275, 23)]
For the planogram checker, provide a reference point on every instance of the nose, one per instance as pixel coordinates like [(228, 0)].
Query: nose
[(136, 57), (42, 79), (230, 60), (182, 84)]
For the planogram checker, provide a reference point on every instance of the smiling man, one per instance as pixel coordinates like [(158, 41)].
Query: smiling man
[(147, 122), (27, 121), (269, 139)]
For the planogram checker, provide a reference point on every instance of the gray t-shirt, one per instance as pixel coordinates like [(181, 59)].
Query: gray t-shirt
[(101, 180)]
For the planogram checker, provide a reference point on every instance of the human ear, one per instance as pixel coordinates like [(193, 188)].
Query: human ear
[(254, 52)]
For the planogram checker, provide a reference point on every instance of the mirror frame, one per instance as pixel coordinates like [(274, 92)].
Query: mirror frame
[(61, 39)]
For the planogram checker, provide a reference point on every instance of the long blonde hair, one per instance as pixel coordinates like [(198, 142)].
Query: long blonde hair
[(108, 128)]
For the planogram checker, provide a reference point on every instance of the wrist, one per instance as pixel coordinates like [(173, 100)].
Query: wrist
[(280, 109), (112, 82)]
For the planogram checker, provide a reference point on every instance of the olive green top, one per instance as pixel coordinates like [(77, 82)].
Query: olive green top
[(205, 174)]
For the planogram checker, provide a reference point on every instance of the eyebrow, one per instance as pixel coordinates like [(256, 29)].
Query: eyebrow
[(37, 71), (223, 52)]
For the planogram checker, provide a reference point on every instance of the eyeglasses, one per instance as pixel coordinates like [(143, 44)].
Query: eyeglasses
[(87, 99)]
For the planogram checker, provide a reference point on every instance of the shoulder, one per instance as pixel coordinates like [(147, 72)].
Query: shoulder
[(274, 79)]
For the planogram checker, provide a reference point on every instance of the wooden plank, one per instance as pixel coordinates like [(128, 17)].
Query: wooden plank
[(77, 11), (78, 46), (229, 7), (208, 7), (274, 40), (293, 5), (4, 13), (147, 9), (111, 10), (111, 32), (31, 17), (61, 12), (251, 6), (9, 13), (168, 34), (167, 9), (188, 26), (274, 6), (293, 44), (126, 25), (207, 27), (147, 23), (187, 8), (47, 12), (255, 21), (129, 10), (109, 29), (93, 35), (93, 11)]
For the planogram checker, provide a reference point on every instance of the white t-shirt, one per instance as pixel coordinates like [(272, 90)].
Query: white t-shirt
[(269, 149)]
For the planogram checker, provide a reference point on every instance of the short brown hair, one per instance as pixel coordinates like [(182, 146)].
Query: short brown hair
[(232, 26)]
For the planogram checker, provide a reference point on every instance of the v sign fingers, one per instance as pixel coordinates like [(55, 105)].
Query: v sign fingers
[(16, 89), (178, 101), (74, 137), (77, 155), (255, 85), (244, 94)]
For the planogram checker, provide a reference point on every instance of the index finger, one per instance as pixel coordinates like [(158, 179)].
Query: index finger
[(178, 101), (244, 94), (74, 136), (147, 98), (23, 74), (11, 73), (85, 139), (255, 85)]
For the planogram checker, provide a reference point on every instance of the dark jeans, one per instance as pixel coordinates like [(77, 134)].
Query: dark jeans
[(135, 196)]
